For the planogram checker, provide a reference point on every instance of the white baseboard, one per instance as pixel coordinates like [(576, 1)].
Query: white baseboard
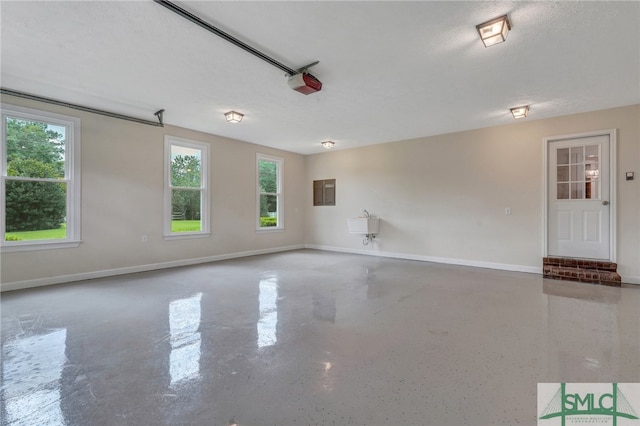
[(62, 279), (449, 261), (19, 285), (628, 279)]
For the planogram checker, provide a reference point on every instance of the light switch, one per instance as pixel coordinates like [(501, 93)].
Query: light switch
[(629, 175)]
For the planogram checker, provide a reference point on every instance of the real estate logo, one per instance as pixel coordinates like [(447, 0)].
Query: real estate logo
[(564, 404)]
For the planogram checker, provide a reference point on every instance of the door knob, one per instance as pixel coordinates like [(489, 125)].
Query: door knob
[(605, 203)]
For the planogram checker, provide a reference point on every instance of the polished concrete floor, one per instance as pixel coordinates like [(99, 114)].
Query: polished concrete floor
[(309, 338)]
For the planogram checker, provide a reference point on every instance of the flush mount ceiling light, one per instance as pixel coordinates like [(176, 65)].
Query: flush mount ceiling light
[(328, 144), (494, 31), (233, 116), (520, 112)]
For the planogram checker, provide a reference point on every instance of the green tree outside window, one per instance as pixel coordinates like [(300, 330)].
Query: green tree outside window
[(35, 151)]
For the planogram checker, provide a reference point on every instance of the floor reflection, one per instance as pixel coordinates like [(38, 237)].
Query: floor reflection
[(268, 323), (577, 318), (376, 288), (31, 374), (324, 307), (328, 379), (184, 323)]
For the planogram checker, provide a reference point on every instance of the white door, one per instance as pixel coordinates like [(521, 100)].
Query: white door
[(578, 198)]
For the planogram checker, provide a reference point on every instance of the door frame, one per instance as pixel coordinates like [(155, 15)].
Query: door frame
[(612, 133)]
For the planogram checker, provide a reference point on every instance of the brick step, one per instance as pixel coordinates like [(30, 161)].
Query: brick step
[(580, 263), (593, 276)]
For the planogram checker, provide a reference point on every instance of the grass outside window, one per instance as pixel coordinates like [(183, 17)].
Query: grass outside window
[(61, 233), (186, 226)]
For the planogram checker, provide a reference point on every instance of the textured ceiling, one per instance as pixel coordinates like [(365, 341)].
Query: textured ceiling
[(390, 70)]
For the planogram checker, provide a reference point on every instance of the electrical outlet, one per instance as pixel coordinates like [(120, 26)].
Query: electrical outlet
[(507, 210), (145, 239)]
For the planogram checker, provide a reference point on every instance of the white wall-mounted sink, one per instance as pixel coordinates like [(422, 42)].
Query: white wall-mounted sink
[(363, 225)]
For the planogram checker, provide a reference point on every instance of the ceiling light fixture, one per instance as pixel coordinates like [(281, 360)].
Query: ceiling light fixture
[(233, 116), (494, 31), (328, 144), (520, 112)]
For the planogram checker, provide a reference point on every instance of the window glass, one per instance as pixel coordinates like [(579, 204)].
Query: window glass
[(186, 205), (35, 210), (577, 173), (563, 191), (186, 210), (40, 175), (185, 166), (269, 192), (563, 156), (563, 173), (577, 155), (35, 149)]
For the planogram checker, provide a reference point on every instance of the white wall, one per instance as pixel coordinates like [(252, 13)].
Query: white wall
[(442, 198), (122, 196)]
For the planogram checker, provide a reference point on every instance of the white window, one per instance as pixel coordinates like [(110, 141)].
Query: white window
[(270, 204), (186, 194), (40, 196)]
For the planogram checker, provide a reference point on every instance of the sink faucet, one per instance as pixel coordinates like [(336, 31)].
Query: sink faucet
[(366, 213)]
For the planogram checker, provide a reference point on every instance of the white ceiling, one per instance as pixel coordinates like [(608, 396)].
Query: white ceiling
[(390, 70)]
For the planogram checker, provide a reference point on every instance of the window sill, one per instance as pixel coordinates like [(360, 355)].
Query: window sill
[(269, 230), (40, 245), (187, 236)]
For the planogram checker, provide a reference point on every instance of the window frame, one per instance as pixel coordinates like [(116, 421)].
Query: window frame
[(72, 178), (170, 141), (279, 194)]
